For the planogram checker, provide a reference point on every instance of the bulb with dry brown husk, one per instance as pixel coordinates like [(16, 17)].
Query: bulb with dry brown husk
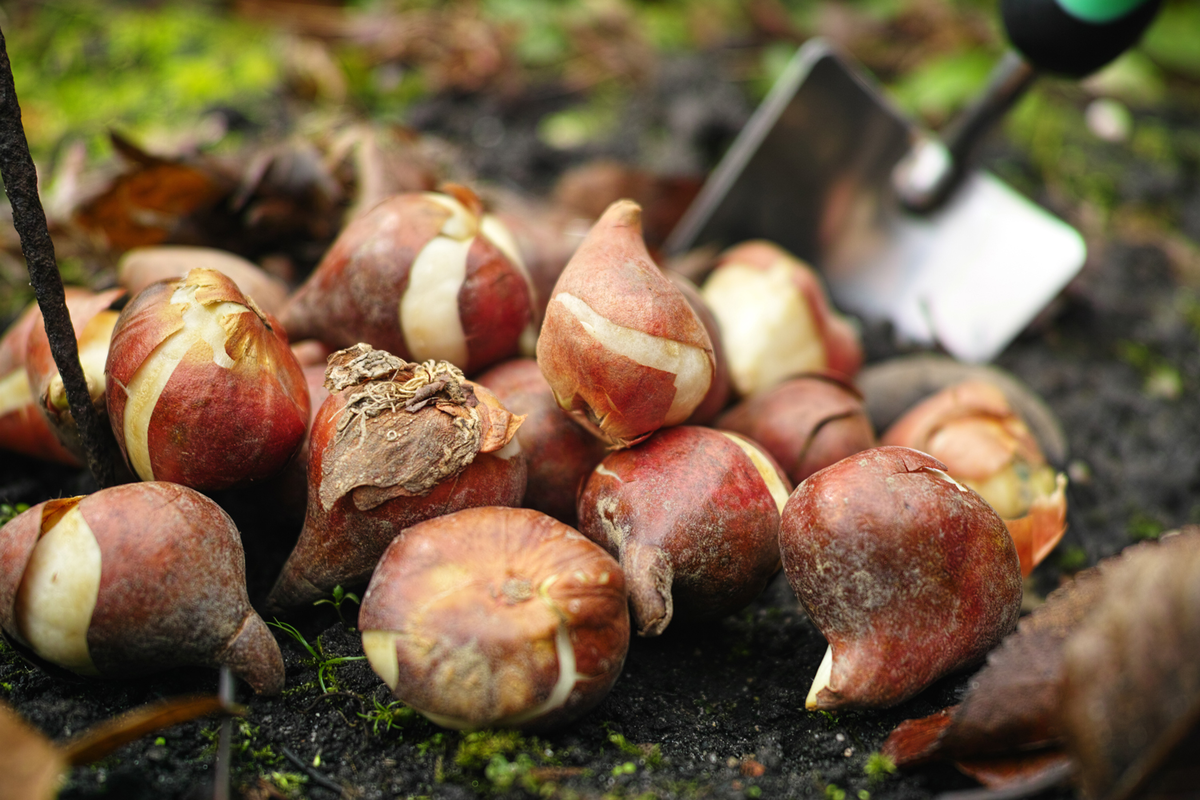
[(394, 444)]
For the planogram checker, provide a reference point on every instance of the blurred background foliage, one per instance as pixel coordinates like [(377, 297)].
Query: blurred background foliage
[(219, 78), (157, 70)]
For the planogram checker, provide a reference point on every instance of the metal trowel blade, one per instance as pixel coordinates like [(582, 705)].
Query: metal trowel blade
[(812, 172)]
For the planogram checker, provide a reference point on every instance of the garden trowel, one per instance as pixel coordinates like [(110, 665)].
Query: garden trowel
[(900, 225)]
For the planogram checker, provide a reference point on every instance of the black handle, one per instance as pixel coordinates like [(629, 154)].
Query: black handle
[(1075, 37)]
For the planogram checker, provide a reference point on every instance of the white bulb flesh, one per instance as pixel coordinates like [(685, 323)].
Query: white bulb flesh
[(14, 391), (201, 323), (429, 312), (380, 649), (690, 365), (821, 681), (58, 594), (761, 463), (766, 325), (93, 353)]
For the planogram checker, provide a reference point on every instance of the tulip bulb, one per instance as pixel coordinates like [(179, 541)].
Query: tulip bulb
[(775, 318), (425, 275), (907, 573), (394, 444), (560, 453), (806, 423), (23, 428), (620, 347), (987, 446), (205, 390), (496, 617), (692, 514), (131, 580)]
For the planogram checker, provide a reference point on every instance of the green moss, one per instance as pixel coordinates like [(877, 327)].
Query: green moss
[(82, 67), (1142, 527), (1072, 558), (878, 766)]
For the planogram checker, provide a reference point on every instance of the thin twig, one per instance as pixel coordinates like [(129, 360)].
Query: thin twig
[(225, 691), (317, 777), (20, 182)]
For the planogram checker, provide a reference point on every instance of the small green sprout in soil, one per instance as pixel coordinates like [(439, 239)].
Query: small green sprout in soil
[(340, 596), (317, 656), (393, 716), (650, 754), (834, 792), (878, 767), (290, 783)]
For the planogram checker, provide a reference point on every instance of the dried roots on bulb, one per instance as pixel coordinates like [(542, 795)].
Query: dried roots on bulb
[(395, 443)]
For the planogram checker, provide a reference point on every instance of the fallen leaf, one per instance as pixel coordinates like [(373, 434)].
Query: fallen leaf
[(1131, 695)]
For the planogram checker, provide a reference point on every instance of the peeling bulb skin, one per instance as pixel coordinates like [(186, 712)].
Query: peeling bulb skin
[(908, 574), (375, 467), (496, 617), (692, 514), (93, 323), (973, 429), (420, 276), (775, 318), (166, 585), (621, 348), (204, 388)]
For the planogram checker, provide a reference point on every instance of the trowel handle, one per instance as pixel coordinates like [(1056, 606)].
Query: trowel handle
[(1075, 37), (1068, 37)]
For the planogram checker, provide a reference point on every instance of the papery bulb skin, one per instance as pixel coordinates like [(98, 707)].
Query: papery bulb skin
[(132, 580), (776, 320), (806, 423), (907, 573), (692, 515), (620, 347), (394, 444), (496, 617), (559, 452), (23, 428), (204, 389), (424, 275), (987, 446), (143, 266)]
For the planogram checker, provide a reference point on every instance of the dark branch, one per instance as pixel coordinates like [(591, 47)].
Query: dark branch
[(20, 182)]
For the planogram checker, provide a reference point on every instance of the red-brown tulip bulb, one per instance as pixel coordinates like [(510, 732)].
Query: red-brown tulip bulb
[(620, 346), (204, 390), (131, 580), (496, 617), (692, 514), (907, 573)]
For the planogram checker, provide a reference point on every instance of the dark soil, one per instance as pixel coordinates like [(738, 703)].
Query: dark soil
[(713, 712)]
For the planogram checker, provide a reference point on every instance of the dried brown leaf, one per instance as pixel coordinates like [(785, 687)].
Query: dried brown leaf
[(1131, 695), (30, 765), (148, 202)]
